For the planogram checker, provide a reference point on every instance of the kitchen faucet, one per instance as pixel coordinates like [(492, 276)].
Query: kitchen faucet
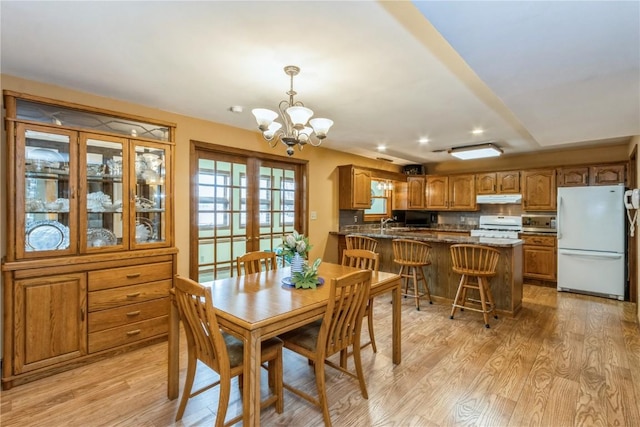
[(383, 223)]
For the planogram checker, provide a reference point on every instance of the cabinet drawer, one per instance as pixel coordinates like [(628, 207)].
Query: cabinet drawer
[(105, 319), (116, 297), (539, 240), (125, 276), (128, 333)]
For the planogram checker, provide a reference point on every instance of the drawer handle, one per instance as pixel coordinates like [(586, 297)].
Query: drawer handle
[(133, 276), (132, 333), (133, 295), (133, 313)]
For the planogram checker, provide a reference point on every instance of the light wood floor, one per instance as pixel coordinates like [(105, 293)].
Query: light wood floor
[(566, 360)]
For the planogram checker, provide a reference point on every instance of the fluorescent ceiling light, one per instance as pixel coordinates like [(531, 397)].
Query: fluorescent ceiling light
[(475, 151)]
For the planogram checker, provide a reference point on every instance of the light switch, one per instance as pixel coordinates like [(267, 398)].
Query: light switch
[(314, 215)]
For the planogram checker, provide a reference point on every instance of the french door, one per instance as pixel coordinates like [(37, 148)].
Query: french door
[(242, 203)]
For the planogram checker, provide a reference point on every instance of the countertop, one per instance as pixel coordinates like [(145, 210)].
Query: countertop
[(435, 235)]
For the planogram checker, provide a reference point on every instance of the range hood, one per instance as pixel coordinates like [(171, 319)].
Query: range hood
[(499, 199)]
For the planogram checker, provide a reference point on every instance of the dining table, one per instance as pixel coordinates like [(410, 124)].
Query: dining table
[(262, 305)]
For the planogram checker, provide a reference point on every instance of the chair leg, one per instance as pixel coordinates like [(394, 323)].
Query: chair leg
[(456, 300), (223, 402), (490, 298), (416, 295), (426, 285), (322, 392), (370, 323), (483, 301), (358, 362), (188, 384)]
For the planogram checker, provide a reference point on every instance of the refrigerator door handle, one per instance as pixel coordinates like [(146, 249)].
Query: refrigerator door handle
[(559, 220), (584, 254)]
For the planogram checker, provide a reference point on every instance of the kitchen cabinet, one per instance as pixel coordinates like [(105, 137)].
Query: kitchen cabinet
[(539, 190), (539, 257), (453, 192), (85, 203), (575, 176), (505, 182), (607, 174), (416, 192), (354, 188)]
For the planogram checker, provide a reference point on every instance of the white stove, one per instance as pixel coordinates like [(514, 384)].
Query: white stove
[(498, 227)]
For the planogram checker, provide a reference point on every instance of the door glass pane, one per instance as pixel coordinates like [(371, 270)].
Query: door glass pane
[(105, 193), (46, 187), (150, 191)]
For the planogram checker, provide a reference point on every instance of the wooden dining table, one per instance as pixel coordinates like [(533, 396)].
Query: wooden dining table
[(258, 306)]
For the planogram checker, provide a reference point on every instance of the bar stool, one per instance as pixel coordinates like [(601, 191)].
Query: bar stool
[(361, 242), (479, 262), (411, 256)]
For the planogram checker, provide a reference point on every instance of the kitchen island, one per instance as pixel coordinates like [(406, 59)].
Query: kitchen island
[(506, 286)]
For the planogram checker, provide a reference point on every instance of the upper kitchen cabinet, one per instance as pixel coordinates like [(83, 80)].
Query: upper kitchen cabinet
[(539, 190), (453, 192), (90, 195), (506, 182), (354, 188), (607, 174), (573, 176), (416, 192)]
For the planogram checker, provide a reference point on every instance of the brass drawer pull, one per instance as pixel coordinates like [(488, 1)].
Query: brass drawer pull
[(133, 313), (131, 333), (133, 295), (133, 275)]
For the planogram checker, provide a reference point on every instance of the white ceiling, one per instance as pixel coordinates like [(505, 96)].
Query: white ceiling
[(534, 75)]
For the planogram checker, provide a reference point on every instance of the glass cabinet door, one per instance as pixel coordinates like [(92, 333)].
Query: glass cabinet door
[(104, 198), (149, 205), (45, 191)]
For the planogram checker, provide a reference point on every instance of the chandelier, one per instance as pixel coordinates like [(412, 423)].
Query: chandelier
[(295, 116)]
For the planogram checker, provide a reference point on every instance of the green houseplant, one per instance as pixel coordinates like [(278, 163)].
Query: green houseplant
[(308, 277)]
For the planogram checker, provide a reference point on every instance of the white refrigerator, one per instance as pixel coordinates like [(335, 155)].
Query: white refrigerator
[(591, 240)]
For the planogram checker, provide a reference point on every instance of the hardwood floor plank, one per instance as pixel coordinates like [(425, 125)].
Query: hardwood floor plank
[(565, 360)]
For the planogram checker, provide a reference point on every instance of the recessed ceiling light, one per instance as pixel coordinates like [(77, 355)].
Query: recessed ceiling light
[(381, 148), (477, 131), (423, 140)]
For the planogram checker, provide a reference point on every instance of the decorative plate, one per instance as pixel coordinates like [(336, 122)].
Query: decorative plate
[(144, 230), (287, 282), (143, 204), (46, 235), (48, 157), (98, 237)]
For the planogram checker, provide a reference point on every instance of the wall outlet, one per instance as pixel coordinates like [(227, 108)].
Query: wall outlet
[(355, 218)]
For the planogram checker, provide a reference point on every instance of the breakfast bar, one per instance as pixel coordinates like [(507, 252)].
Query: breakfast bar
[(443, 282)]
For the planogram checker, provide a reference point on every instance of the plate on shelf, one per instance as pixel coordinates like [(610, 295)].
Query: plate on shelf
[(46, 235), (144, 204), (46, 157), (144, 230), (98, 237)]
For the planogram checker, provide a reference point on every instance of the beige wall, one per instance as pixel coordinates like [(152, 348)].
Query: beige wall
[(323, 182)]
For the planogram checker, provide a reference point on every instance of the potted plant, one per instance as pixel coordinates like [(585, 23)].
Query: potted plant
[(308, 277)]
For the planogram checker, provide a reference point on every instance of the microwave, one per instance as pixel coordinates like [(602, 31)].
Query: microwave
[(539, 223)]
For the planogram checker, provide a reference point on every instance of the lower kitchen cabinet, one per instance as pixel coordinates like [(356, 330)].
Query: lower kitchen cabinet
[(72, 313), (539, 257)]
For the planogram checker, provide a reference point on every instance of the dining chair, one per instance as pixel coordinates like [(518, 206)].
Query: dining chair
[(361, 242), (254, 261), (220, 351), (365, 260), (338, 330), (480, 262)]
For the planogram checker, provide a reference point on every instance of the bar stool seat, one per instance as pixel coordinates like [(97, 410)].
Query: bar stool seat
[(479, 262), (412, 256)]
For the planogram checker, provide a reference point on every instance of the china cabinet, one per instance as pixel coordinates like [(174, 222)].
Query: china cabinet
[(90, 254)]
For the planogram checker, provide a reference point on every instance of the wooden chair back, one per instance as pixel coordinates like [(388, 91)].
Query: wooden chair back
[(361, 258), (342, 321), (361, 242), (411, 252), (474, 260), (204, 339), (254, 262)]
